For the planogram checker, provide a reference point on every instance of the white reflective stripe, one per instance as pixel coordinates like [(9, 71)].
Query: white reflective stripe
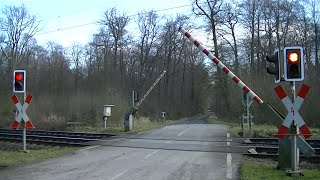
[(230, 74), (18, 118), (201, 47), (25, 106), (287, 103), (241, 85), (25, 117), (18, 105), (220, 65), (119, 175), (183, 132), (229, 166), (22, 112), (252, 94), (298, 119), (287, 121), (296, 105), (192, 39), (210, 56), (298, 102)]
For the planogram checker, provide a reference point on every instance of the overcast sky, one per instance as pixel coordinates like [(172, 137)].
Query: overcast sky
[(61, 14)]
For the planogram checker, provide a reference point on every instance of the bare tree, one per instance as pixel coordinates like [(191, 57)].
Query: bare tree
[(210, 9), (149, 28), (57, 68), (116, 24), (230, 15), (18, 26), (76, 55)]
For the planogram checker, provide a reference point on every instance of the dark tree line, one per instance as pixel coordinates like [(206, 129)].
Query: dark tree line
[(267, 25), (72, 84)]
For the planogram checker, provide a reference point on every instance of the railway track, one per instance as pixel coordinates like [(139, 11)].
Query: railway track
[(312, 159), (315, 143), (274, 150), (267, 148), (52, 137)]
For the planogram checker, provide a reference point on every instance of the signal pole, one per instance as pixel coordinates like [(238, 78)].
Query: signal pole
[(24, 126), (19, 86), (294, 155), (287, 67), (293, 71)]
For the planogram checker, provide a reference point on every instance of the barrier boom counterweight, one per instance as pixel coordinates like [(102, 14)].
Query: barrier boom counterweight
[(220, 65)]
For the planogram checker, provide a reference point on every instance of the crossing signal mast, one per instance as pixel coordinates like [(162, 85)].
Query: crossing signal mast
[(290, 68), (293, 64), (274, 69), (19, 81)]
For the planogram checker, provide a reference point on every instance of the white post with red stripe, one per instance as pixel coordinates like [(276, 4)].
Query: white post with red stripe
[(22, 112), (244, 87), (293, 111)]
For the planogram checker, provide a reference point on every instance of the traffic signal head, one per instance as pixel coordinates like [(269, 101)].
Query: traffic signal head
[(19, 81), (275, 66), (293, 64)]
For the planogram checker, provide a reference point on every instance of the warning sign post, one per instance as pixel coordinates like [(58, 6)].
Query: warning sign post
[(289, 137), (19, 86)]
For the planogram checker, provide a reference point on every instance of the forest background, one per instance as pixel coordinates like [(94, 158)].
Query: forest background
[(73, 83)]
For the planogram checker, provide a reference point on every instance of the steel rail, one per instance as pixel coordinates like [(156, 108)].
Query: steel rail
[(52, 137), (312, 159), (60, 133)]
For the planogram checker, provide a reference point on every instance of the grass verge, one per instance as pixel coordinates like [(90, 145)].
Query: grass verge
[(140, 125), (14, 158), (251, 170), (259, 130)]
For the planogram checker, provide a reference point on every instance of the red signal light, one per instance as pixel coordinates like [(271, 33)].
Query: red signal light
[(18, 77), (293, 57), (19, 81)]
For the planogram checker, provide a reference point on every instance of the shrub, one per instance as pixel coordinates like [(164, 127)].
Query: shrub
[(53, 122)]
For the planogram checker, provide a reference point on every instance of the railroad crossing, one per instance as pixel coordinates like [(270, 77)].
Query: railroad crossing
[(290, 69), (294, 63)]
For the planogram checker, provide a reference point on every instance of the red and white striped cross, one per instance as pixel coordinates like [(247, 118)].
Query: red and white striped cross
[(22, 112), (293, 111)]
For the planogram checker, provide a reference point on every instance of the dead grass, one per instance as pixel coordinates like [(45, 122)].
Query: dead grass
[(259, 130), (140, 125), (14, 158)]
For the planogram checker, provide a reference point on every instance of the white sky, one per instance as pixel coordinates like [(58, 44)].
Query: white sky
[(60, 14)]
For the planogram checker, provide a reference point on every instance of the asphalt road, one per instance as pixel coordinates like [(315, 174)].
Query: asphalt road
[(191, 150)]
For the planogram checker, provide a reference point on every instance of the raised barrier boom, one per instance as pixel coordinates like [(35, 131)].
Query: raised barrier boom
[(243, 86)]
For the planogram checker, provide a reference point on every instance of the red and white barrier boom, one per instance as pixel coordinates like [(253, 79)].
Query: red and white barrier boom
[(244, 87)]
